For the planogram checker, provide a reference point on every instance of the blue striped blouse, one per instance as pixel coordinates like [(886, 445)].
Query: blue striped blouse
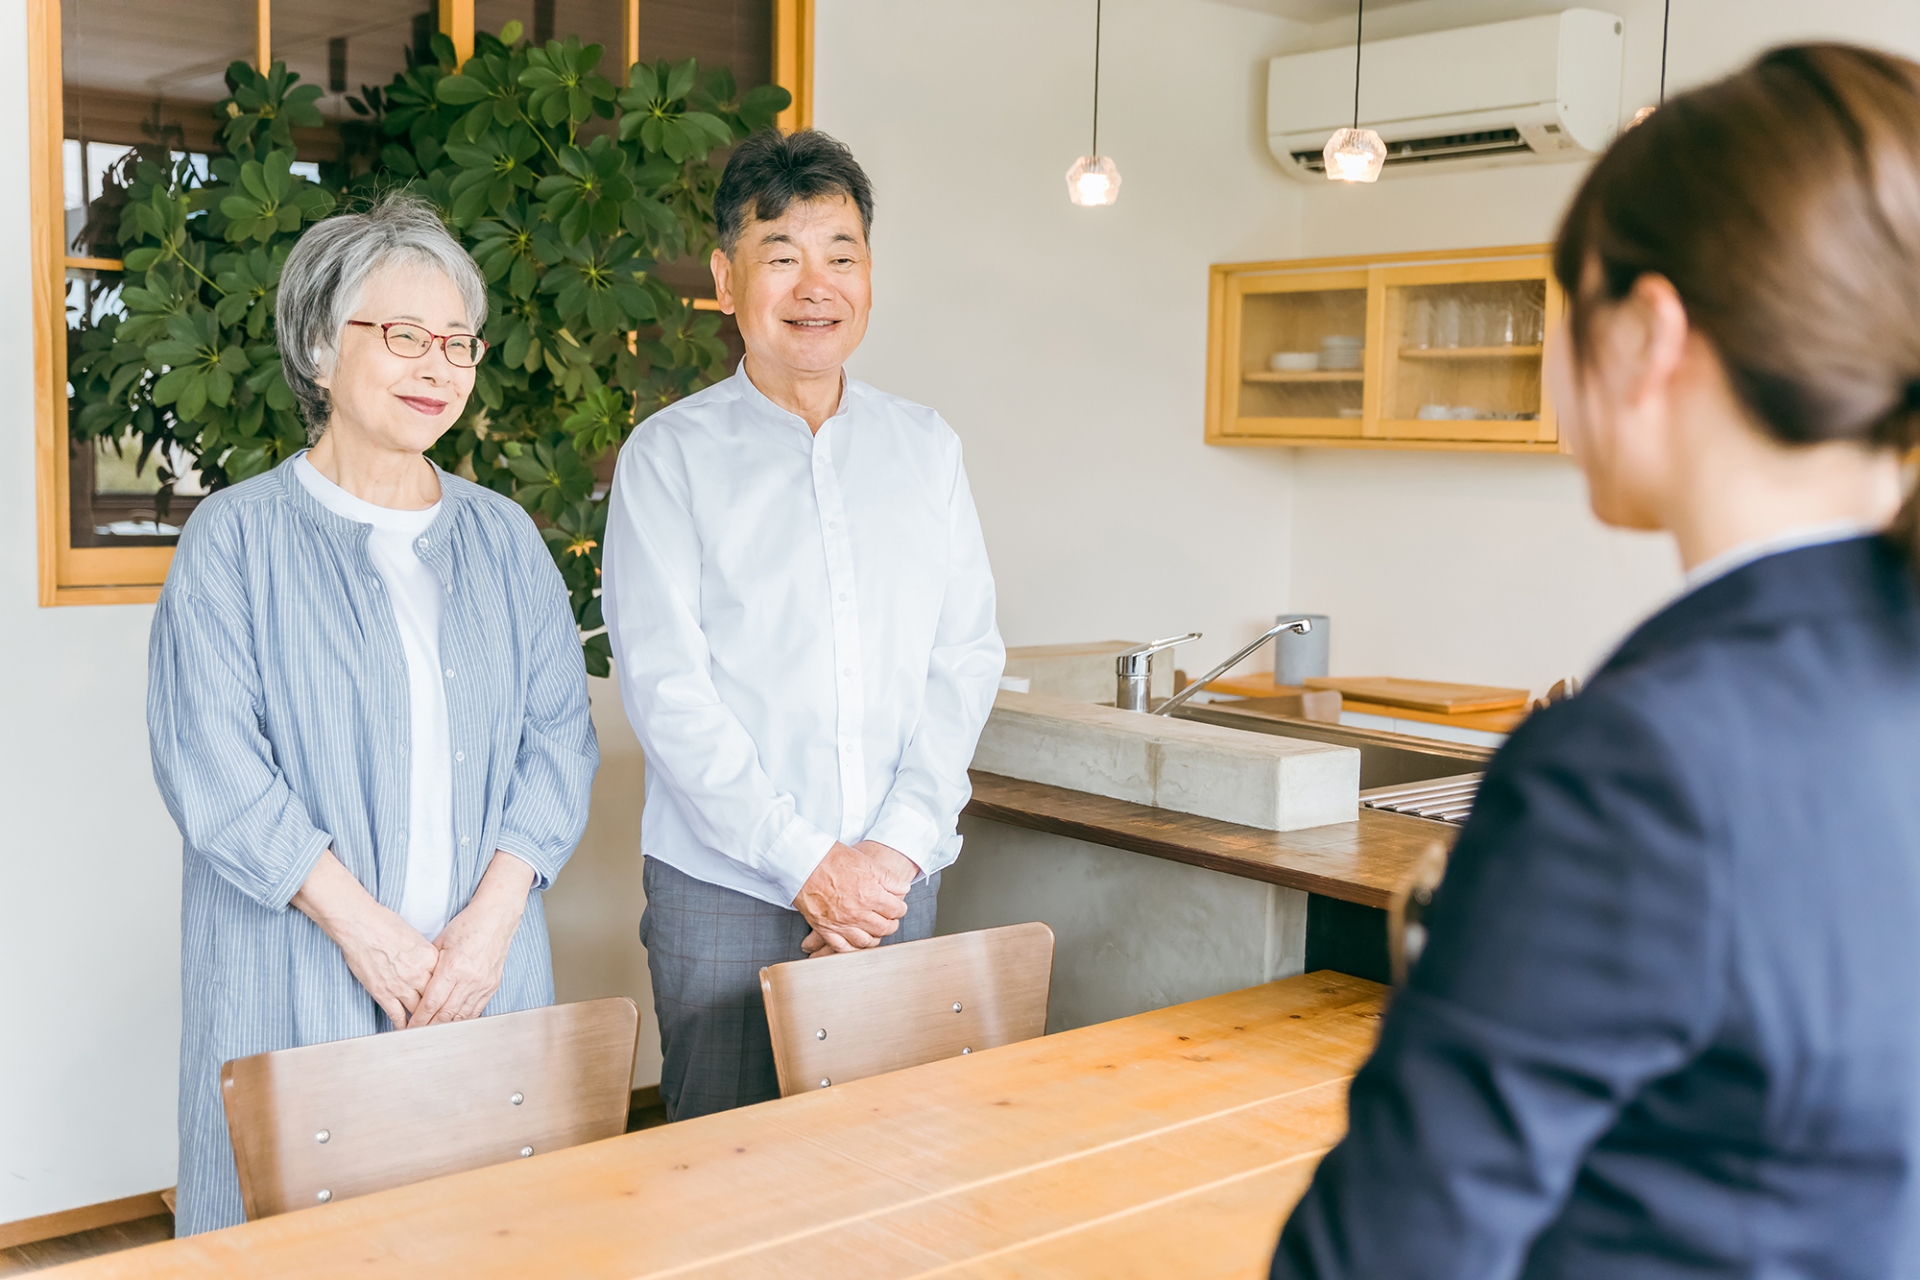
[(278, 713)]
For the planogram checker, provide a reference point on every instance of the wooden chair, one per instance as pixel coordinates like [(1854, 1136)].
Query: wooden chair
[(842, 1017), (1407, 910), (329, 1121)]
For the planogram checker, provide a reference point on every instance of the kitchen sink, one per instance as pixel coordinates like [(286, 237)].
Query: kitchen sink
[(1386, 759)]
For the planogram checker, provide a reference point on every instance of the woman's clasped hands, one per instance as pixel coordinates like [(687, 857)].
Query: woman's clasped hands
[(415, 982)]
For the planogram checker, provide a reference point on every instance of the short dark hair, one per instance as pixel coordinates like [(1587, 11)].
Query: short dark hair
[(770, 170)]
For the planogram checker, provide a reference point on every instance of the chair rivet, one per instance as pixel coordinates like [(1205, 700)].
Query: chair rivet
[(517, 1099), (825, 1083), (966, 1050), (821, 1034), (324, 1195), (525, 1152), (322, 1136), (956, 1006)]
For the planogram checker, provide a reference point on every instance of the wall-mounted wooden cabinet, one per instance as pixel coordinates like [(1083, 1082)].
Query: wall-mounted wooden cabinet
[(1409, 351)]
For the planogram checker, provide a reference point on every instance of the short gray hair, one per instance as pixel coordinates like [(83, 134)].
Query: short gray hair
[(322, 282)]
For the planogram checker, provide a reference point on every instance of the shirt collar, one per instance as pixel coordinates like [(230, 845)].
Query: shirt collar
[(297, 494), (1792, 539), (758, 399)]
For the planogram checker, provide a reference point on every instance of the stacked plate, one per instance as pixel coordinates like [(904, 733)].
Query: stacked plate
[(1342, 351)]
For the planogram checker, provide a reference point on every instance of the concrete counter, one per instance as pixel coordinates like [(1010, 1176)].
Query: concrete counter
[(1151, 908)]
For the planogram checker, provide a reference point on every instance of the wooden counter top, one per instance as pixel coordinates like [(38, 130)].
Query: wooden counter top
[(1354, 861), (1172, 1143)]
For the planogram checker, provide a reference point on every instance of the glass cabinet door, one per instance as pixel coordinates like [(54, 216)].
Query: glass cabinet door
[(1462, 358), (1298, 343)]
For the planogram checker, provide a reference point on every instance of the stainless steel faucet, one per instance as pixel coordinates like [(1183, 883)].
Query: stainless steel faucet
[(1133, 672), (1132, 667)]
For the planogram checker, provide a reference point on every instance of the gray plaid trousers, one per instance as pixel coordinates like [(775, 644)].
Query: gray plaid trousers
[(705, 948)]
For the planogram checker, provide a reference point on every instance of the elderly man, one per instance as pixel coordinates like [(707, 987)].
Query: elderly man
[(803, 623)]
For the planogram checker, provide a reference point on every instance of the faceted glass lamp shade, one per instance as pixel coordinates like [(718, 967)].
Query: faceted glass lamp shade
[(1355, 155), (1093, 180)]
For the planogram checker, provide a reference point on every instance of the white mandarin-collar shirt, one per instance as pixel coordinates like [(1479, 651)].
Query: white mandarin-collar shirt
[(1793, 539), (803, 629)]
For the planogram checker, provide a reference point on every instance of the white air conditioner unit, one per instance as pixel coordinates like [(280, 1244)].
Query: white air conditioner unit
[(1534, 89)]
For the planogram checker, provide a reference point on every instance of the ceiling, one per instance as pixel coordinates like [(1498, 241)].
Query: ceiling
[(1309, 10)]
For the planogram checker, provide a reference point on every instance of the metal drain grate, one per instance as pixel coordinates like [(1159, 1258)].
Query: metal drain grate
[(1441, 799)]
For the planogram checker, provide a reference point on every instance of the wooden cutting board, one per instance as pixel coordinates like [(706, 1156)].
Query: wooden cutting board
[(1422, 695)]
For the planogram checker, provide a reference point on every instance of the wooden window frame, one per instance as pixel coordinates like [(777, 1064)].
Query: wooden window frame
[(133, 575)]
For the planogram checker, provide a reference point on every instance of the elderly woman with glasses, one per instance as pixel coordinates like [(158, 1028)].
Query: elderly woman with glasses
[(367, 703)]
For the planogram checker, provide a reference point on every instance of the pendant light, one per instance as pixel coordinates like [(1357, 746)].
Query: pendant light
[(1094, 179), (1356, 154), (1666, 19)]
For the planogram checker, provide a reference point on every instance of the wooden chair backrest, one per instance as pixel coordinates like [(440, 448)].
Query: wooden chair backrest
[(328, 1121), (841, 1017), (1407, 910)]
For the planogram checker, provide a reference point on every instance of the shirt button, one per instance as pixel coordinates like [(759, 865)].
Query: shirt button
[(846, 671), (463, 839), (460, 756), (843, 597), (449, 673), (422, 544)]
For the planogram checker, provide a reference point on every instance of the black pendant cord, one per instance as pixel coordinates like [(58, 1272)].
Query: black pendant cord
[(1666, 17), (1096, 78), (1359, 24)]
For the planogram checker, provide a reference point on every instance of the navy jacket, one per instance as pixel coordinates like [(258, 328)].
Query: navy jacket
[(1668, 1019)]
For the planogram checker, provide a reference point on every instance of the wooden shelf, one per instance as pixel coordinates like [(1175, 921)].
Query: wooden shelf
[(1258, 308), (1384, 442), (1471, 353), (1306, 375)]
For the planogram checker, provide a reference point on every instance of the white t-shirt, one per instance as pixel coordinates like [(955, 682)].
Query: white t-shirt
[(416, 592)]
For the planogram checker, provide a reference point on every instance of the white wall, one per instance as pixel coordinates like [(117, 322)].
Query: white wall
[(593, 909), (1481, 566), (89, 916), (1067, 345)]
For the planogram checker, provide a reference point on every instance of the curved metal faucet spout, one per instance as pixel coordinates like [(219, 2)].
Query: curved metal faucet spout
[(1299, 626)]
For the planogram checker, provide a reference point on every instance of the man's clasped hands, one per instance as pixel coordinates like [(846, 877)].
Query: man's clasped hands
[(855, 897)]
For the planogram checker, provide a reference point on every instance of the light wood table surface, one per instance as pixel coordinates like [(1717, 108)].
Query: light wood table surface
[(1167, 1144)]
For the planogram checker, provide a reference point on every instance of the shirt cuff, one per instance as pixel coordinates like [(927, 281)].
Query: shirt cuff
[(530, 853), (901, 827), (800, 849), (281, 896)]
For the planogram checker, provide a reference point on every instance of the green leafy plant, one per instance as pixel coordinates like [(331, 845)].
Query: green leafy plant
[(568, 190)]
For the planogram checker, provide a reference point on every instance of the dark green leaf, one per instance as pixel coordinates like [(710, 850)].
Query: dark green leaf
[(460, 91)]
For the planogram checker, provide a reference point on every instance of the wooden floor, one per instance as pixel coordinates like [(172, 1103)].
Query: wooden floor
[(84, 1244)]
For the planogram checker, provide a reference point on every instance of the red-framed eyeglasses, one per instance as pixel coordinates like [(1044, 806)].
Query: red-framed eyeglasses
[(404, 338)]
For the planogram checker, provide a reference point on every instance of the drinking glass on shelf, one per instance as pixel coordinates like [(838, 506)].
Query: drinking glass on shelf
[(1476, 319), (1446, 322), (1503, 329), (1419, 322), (1532, 323)]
